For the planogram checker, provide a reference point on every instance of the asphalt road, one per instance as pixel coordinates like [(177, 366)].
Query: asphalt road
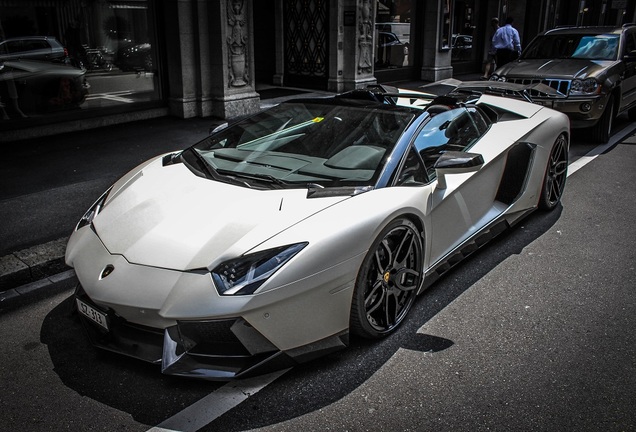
[(534, 332)]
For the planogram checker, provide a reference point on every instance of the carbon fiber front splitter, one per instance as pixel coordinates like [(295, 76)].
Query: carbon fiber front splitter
[(218, 350)]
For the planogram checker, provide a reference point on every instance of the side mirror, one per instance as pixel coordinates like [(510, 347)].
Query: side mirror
[(453, 162)]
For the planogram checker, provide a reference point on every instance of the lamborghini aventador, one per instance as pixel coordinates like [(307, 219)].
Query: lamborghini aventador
[(276, 238)]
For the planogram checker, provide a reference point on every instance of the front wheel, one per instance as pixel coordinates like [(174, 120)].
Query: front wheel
[(388, 280), (555, 175)]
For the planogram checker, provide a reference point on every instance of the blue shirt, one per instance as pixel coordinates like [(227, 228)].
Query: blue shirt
[(507, 37)]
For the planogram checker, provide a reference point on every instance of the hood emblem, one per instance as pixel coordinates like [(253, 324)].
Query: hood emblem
[(107, 270)]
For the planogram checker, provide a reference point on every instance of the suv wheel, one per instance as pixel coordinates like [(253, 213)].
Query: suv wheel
[(603, 129)]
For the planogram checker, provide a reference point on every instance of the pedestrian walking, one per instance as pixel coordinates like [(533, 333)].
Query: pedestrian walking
[(491, 63), (506, 43)]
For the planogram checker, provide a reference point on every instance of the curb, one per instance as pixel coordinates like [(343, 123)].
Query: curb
[(31, 265)]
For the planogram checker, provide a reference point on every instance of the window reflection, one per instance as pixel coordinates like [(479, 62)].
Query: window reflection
[(78, 55), (464, 25), (392, 34)]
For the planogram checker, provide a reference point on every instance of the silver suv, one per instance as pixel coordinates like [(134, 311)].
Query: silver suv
[(33, 48), (593, 70)]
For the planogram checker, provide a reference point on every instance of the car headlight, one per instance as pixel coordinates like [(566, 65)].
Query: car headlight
[(88, 217), (495, 77), (244, 275), (587, 86)]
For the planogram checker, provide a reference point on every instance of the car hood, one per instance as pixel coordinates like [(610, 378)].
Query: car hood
[(165, 216), (20, 69), (556, 68)]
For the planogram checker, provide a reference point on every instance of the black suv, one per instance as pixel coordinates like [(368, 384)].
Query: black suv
[(593, 70)]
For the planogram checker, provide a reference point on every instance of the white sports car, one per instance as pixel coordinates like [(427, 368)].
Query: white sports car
[(272, 240)]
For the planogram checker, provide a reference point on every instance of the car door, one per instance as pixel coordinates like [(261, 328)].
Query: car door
[(467, 203)]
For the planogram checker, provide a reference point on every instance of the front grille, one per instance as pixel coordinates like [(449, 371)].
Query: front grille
[(560, 85)]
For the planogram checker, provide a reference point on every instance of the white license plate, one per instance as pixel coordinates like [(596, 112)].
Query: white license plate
[(92, 314)]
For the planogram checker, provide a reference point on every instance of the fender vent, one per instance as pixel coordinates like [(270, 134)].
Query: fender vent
[(515, 173)]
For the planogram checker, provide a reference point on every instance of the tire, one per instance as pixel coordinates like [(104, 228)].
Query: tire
[(555, 175), (388, 281), (602, 131)]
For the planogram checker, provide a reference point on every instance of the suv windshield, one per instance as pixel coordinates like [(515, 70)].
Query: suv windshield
[(324, 143), (575, 46)]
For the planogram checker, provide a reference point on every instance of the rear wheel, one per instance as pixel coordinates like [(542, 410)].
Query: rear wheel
[(388, 280), (602, 131), (555, 175)]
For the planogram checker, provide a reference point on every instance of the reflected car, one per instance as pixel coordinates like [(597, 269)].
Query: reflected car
[(462, 46), (273, 240), (136, 57), (32, 87), (391, 51), (592, 68), (33, 48)]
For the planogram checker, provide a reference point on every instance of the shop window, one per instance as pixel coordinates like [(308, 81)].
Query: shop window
[(393, 34), (465, 24), (79, 57)]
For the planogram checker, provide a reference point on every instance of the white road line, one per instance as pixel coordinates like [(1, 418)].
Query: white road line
[(594, 153), (217, 403)]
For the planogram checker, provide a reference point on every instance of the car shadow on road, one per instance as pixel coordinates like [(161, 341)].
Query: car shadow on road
[(315, 385), (126, 384), (140, 389)]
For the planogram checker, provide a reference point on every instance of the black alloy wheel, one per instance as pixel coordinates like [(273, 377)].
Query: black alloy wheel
[(555, 175), (389, 279)]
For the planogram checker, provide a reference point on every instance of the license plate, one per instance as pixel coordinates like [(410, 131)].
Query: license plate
[(93, 314)]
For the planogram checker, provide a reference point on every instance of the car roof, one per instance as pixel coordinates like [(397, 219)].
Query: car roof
[(29, 38), (590, 30)]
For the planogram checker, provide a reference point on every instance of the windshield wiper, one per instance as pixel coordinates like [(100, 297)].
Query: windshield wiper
[(255, 176), (210, 172)]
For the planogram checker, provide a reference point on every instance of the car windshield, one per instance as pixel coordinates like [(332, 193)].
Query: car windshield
[(324, 143), (575, 46)]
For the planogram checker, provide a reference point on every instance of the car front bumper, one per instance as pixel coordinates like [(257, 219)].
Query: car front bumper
[(217, 350), (582, 112)]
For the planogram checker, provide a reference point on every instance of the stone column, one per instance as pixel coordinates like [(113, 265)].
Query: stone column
[(210, 58), (232, 59), (279, 44), (351, 44), (436, 64), (181, 57)]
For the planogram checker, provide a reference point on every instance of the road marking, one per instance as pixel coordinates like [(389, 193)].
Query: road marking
[(116, 96), (595, 152), (217, 403)]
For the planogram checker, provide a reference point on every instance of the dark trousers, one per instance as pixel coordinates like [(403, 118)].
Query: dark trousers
[(505, 55)]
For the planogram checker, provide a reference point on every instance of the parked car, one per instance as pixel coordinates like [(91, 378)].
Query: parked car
[(391, 51), (30, 87), (274, 239), (593, 69), (33, 48), (462, 46), (401, 30), (137, 57)]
